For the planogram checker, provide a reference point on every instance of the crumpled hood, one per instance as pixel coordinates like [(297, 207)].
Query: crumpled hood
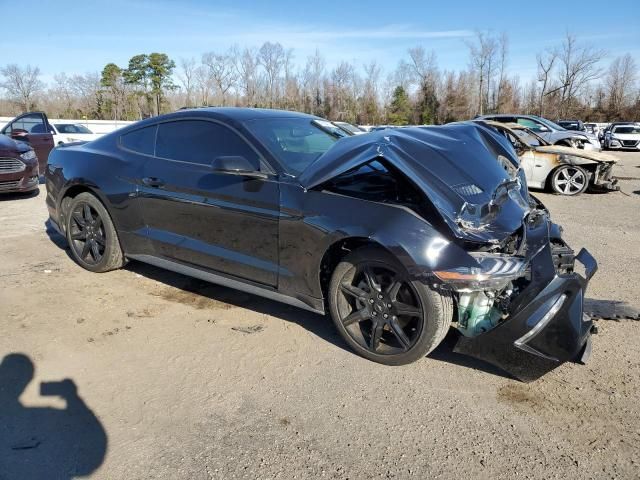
[(460, 168), (577, 152)]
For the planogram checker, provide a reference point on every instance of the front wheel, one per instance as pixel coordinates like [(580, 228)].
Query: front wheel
[(569, 180), (381, 313), (91, 235)]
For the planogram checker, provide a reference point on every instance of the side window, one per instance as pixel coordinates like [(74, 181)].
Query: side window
[(141, 140), (199, 141), (32, 123)]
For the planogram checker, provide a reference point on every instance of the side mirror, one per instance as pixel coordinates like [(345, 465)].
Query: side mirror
[(237, 164)]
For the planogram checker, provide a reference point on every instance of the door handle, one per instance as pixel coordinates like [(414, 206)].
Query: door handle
[(152, 182)]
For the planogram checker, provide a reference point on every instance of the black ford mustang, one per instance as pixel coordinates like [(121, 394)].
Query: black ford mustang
[(398, 234)]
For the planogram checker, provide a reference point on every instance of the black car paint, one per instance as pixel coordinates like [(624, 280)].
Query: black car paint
[(274, 234)]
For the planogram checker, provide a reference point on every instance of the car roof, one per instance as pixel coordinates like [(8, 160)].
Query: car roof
[(234, 116), (242, 113)]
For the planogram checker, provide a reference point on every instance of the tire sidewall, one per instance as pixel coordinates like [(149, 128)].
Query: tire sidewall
[(429, 332), (111, 241)]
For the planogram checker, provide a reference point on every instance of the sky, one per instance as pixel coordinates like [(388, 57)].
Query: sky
[(77, 37)]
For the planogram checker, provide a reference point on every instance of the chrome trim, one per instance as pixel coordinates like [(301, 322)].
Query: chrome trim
[(7, 186), (224, 281), (521, 342), (11, 165)]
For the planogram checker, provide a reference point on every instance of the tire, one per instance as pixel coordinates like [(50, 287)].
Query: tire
[(569, 180), (88, 222), (417, 317)]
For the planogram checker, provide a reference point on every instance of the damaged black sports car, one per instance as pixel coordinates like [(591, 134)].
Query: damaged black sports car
[(398, 234)]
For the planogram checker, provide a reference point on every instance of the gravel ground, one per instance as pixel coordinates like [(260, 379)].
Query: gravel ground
[(180, 379)]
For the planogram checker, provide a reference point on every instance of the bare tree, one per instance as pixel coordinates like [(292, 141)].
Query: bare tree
[(222, 71), (246, 64), (619, 83), (272, 57), (203, 84), (312, 80), (503, 47), (546, 62), (578, 67), (187, 76), (22, 84), (482, 54)]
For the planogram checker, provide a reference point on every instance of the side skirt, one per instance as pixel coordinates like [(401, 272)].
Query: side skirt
[(225, 281)]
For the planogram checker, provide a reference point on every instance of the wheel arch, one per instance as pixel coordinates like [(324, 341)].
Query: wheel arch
[(73, 191), (336, 252)]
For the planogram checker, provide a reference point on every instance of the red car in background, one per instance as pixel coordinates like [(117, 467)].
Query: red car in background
[(34, 129), (19, 170)]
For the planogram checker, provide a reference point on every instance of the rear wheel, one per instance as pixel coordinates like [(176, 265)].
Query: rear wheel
[(569, 180), (382, 314), (91, 235)]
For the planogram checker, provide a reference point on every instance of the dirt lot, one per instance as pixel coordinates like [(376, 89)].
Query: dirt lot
[(180, 379)]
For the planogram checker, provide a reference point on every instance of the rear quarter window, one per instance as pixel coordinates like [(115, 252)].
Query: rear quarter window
[(141, 140)]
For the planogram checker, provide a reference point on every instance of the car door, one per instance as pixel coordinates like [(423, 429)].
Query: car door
[(33, 128), (222, 221)]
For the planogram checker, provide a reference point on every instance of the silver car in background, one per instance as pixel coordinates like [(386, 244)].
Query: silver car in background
[(550, 131)]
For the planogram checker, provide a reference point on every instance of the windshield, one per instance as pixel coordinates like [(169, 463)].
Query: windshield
[(627, 129), (295, 142), (71, 128)]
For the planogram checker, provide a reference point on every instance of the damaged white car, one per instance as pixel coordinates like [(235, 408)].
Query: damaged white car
[(565, 170)]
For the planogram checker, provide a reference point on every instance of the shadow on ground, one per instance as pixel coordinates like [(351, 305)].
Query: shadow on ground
[(45, 442), (319, 325), (610, 310), (6, 197)]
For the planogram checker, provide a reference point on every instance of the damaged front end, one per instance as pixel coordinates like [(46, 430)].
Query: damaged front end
[(490, 245), (521, 309)]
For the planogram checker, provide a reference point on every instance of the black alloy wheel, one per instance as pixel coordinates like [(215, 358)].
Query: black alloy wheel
[(91, 234), (87, 233), (381, 313)]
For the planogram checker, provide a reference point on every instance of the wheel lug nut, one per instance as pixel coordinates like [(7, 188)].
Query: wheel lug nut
[(385, 316), (375, 314), (388, 305), (371, 300), (380, 297)]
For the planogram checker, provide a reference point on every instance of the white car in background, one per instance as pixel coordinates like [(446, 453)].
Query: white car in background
[(623, 136), (71, 132)]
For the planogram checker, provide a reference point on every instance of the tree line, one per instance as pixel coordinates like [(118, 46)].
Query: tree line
[(573, 80)]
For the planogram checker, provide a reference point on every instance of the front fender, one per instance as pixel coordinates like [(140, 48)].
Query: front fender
[(313, 221)]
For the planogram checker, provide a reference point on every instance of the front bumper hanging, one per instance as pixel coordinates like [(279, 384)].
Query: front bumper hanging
[(548, 330)]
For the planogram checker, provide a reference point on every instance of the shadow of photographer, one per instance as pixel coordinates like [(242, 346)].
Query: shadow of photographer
[(45, 442)]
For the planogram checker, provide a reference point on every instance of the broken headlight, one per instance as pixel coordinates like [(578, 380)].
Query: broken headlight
[(494, 271)]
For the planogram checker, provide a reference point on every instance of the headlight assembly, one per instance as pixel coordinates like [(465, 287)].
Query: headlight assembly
[(494, 271), (28, 155)]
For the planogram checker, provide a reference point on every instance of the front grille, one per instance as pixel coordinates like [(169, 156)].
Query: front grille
[(11, 165), (4, 186), (629, 143)]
